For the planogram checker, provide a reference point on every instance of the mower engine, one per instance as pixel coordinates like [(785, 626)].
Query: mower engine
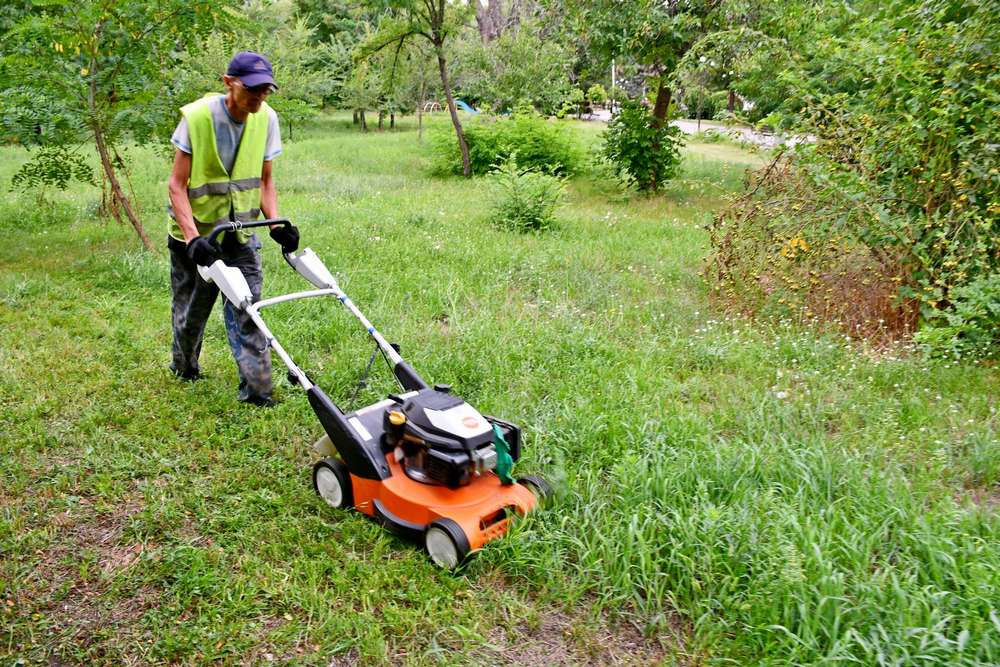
[(438, 438)]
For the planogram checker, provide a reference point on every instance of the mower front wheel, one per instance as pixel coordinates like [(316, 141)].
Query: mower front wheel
[(446, 543), (332, 482), (538, 487)]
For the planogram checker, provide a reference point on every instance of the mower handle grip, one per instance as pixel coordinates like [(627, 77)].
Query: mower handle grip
[(236, 226)]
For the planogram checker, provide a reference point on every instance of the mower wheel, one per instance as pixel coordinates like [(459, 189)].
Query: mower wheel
[(538, 487), (446, 543), (332, 482)]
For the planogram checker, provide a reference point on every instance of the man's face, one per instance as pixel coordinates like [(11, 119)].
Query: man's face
[(246, 99)]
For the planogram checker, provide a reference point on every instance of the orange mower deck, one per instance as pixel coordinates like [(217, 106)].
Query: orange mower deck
[(482, 509), (452, 522)]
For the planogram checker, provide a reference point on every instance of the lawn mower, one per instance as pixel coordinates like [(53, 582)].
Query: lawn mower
[(422, 462)]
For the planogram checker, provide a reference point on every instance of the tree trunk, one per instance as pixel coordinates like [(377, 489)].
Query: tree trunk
[(662, 105), (381, 119), (392, 120), (489, 19), (364, 122), (732, 101), (659, 120), (356, 119), (109, 169), (116, 189), (109, 205), (464, 147), (420, 108)]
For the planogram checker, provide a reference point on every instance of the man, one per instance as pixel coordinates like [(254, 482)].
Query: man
[(222, 172)]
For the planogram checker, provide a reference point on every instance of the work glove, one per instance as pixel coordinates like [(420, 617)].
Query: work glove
[(202, 251), (287, 236)]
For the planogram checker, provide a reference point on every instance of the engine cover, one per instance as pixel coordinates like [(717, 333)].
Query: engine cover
[(446, 421), (444, 440)]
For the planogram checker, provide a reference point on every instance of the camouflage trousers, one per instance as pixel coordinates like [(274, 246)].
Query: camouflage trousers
[(193, 300)]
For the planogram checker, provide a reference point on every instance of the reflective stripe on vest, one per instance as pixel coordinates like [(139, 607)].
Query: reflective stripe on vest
[(212, 191)]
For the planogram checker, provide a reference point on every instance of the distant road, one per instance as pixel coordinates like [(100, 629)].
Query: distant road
[(738, 132)]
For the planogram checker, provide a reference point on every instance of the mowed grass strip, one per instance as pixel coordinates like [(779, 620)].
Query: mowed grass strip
[(727, 491)]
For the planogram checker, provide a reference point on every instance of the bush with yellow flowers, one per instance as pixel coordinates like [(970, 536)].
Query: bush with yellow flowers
[(890, 219)]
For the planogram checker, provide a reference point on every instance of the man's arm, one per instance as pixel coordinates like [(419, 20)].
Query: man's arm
[(179, 177), (286, 235), (268, 192)]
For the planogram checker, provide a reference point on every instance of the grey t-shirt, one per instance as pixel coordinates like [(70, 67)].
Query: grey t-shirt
[(228, 133)]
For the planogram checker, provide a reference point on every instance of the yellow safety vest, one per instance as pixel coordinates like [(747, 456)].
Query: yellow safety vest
[(213, 192)]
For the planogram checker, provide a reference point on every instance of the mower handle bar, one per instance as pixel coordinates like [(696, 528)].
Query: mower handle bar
[(232, 283), (237, 225)]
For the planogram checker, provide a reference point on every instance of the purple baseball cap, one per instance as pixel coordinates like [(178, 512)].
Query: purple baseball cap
[(253, 69)]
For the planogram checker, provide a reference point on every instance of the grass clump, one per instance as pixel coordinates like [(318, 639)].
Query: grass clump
[(526, 199)]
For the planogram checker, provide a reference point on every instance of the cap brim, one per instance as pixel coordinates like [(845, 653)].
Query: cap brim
[(254, 80)]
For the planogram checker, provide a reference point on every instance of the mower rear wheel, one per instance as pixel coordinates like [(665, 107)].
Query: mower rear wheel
[(332, 482), (538, 487), (446, 543)]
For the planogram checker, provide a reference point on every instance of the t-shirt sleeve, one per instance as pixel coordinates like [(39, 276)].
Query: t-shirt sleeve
[(182, 138), (273, 147)]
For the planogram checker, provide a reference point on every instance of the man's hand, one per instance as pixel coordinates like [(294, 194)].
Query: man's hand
[(202, 251), (287, 236)]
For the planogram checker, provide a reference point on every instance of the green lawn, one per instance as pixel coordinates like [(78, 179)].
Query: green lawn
[(728, 492)]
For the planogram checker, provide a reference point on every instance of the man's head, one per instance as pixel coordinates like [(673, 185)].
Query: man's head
[(249, 79)]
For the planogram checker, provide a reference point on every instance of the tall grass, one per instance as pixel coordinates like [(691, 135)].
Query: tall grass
[(746, 494)]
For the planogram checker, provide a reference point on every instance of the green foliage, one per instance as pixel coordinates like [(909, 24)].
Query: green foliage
[(519, 66), (651, 32), (644, 155), (54, 166), (596, 94), (905, 166), (437, 23), (701, 102), (970, 327), (573, 104), (737, 56), (104, 66), (333, 20), (100, 71), (30, 118), (772, 122), (392, 73), (540, 144), (526, 198), (306, 72)]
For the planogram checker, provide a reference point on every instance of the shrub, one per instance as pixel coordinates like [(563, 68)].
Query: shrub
[(904, 168), (540, 144), (596, 94), (971, 327), (701, 102), (573, 104), (526, 199), (643, 154), (792, 248)]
